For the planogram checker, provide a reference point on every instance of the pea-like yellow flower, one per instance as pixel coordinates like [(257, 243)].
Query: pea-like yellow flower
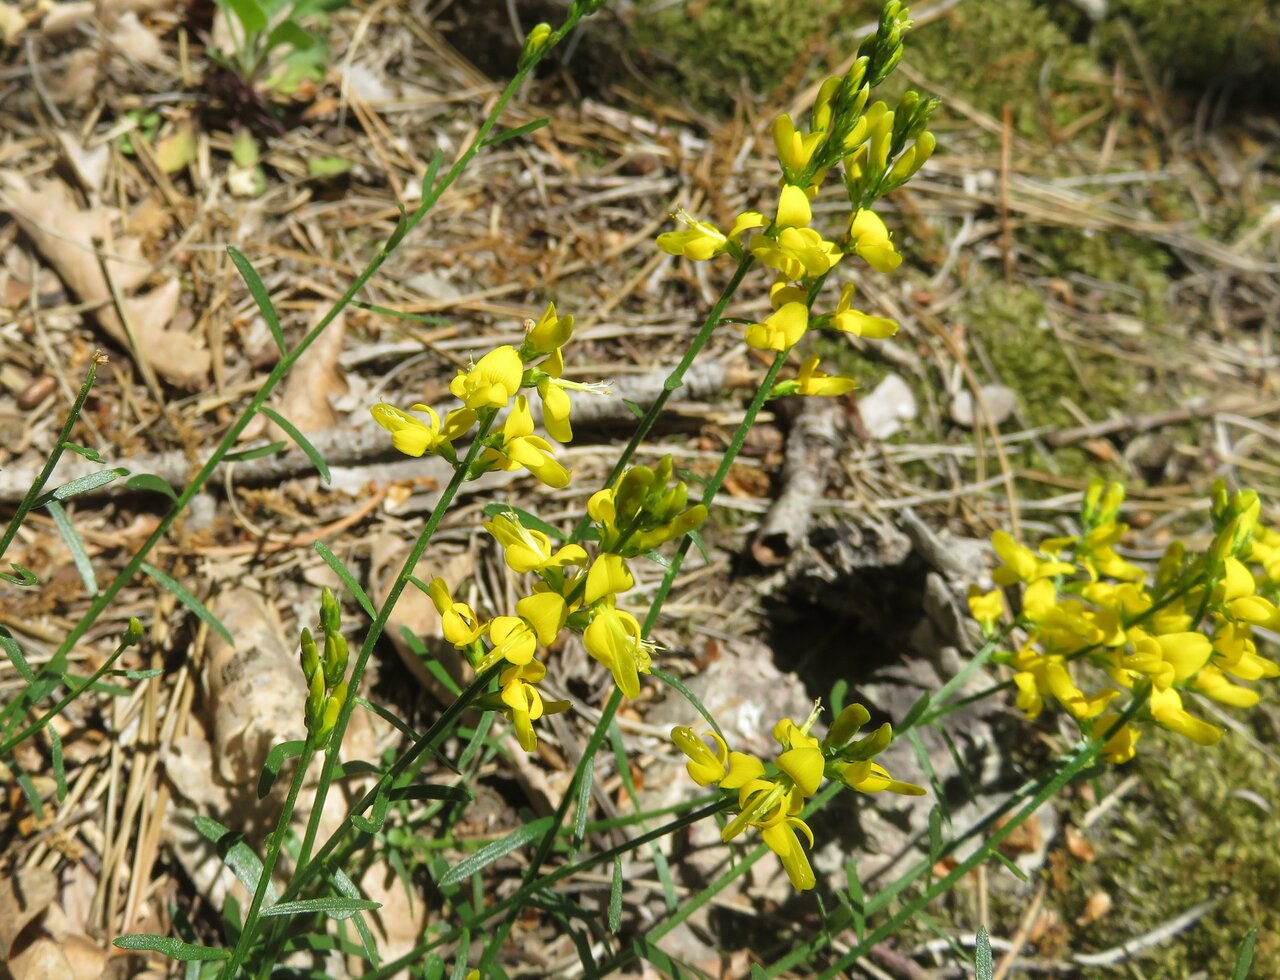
[(871, 777), (987, 608), (527, 550), (781, 330), (797, 250), (607, 576), (522, 702), (458, 621), (780, 835), (870, 240), (520, 447), (699, 241), (613, 638), (705, 766), (795, 150), (810, 381), (1166, 708), (1123, 743), (492, 381), (538, 620), (848, 320), (1020, 564), (549, 334), (412, 436)]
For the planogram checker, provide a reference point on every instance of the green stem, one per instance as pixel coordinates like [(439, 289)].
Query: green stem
[(674, 380), (714, 485), (274, 845), (516, 901), (24, 507)]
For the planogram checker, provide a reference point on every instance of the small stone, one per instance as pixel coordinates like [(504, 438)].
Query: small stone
[(999, 401), (887, 407)]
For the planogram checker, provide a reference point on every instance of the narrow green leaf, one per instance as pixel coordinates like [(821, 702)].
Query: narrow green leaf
[(16, 657), (454, 794), (137, 675), (615, 896), (74, 544), (675, 682), (917, 709), (250, 275), (530, 521), (151, 483), (429, 178), (838, 691), (460, 960), (256, 452), (22, 576), (250, 14), (518, 131), (982, 956), (349, 580), (935, 832), (86, 483), (302, 441), (1014, 870), (347, 888), (1244, 959), (633, 408), (388, 716), (381, 803), (188, 600), (30, 792), (324, 167), (55, 760), (235, 854), (89, 454), (334, 906), (583, 802), (275, 759), (857, 900), (175, 949), (696, 537), (484, 857)]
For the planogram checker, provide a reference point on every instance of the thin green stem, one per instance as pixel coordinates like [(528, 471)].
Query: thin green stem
[(275, 843), (674, 380), (71, 695), (714, 484), (516, 901), (28, 501)]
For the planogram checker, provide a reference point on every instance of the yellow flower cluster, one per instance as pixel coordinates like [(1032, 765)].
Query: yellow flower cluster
[(1095, 631), (573, 590), (878, 149), (490, 385), (772, 803)]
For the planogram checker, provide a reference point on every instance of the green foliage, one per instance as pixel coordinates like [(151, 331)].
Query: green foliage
[(273, 48), (1200, 42), (1189, 832), (1134, 270), (708, 48)]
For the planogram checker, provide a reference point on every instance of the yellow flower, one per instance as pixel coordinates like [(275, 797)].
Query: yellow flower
[(797, 251), (527, 550), (782, 840), (802, 762), (870, 239), (871, 777), (794, 150), (520, 447), (492, 381), (986, 607), (1213, 683), (538, 620), (412, 436), (705, 767), (1020, 564), (522, 702), (458, 621), (700, 241), (607, 576), (781, 330), (613, 638), (1166, 708), (1122, 744), (550, 333), (811, 381), (849, 320)]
